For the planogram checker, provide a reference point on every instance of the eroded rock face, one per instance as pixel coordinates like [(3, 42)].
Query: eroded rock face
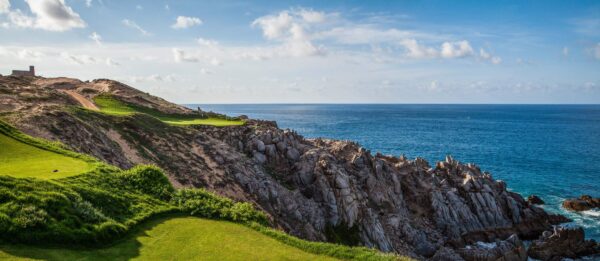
[(563, 243), (585, 202), (511, 249), (316, 189)]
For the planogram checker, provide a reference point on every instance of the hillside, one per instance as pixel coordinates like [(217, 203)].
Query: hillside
[(316, 189), (105, 213)]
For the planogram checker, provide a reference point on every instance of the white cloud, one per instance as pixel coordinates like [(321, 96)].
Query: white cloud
[(456, 49), (215, 62), (186, 22), (132, 24), (4, 6), (111, 62), (88, 3), (484, 55), (96, 37), (154, 78), (290, 28), (167, 7), (274, 26), (26, 54), (51, 15), (180, 56), (207, 42), (415, 50), (311, 16), (139, 7)]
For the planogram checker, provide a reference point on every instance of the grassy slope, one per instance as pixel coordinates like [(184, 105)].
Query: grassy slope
[(106, 204), (184, 238), (112, 106), (22, 160)]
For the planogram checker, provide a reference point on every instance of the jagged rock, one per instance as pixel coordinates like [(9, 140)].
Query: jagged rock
[(564, 242), (511, 249), (535, 200), (446, 254), (585, 202)]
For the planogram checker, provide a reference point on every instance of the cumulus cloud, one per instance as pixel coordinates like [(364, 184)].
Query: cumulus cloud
[(26, 54), (447, 50), (111, 62), (51, 15), (186, 22), (290, 29), (456, 49), (134, 25), (96, 37), (415, 50), (4, 6)]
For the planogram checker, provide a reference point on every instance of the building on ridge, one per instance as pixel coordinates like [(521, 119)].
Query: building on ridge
[(31, 72)]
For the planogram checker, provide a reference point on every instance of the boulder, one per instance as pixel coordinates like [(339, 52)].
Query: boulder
[(535, 200), (564, 242), (582, 203), (511, 249)]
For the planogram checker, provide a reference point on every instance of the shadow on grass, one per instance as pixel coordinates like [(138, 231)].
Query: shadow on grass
[(125, 248)]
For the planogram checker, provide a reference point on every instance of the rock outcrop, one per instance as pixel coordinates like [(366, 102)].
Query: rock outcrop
[(317, 189), (511, 249), (585, 202), (535, 200), (562, 243)]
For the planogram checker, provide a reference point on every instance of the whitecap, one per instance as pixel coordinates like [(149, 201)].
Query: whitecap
[(591, 212)]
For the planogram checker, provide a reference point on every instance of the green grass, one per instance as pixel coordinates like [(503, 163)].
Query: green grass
[(179, 238), (109, 105), (22, 160)]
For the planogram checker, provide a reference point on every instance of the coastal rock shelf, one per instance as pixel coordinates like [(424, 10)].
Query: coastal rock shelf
[(582, 203), (317, 189)]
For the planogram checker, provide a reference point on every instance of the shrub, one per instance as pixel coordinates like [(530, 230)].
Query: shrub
[(201, 203), (148, 180)]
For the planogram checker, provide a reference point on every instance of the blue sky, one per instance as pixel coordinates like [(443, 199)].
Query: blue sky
[(315, 51)]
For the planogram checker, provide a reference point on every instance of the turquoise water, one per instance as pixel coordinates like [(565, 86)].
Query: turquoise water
[(552, 151)]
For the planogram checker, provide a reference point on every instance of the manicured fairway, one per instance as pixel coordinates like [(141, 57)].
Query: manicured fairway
[(185, 238), (112, 106), (22, 160)]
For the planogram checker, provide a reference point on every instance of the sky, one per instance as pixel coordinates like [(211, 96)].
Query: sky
[(315, 51)]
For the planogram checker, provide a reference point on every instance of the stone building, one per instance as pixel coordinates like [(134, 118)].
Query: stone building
[(31, 72)]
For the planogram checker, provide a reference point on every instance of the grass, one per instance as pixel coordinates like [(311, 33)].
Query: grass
[(22, 160), (109, 105), (178, 238), (22, 156)]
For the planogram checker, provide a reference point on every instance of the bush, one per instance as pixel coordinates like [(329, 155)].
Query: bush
[(148, 180), (201, 203)]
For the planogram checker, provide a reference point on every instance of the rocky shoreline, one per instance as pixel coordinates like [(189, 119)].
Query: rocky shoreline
[(317, 189)]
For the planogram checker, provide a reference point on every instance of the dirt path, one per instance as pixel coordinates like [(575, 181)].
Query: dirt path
[(84, 101)]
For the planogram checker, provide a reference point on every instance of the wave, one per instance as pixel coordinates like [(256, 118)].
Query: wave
[(591, 212)]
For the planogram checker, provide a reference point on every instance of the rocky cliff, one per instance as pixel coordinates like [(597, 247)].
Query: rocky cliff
[(317, 189)]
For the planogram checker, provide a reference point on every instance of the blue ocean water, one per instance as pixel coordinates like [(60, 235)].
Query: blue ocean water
[(552, 151)]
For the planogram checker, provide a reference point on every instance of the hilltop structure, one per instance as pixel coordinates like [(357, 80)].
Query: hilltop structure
[(31, 72)]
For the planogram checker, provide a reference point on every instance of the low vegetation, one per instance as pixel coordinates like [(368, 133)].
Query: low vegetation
[(22, 156), (110, 105), (112, 214)]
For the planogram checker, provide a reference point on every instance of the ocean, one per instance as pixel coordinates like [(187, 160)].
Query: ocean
[(552, 151)]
